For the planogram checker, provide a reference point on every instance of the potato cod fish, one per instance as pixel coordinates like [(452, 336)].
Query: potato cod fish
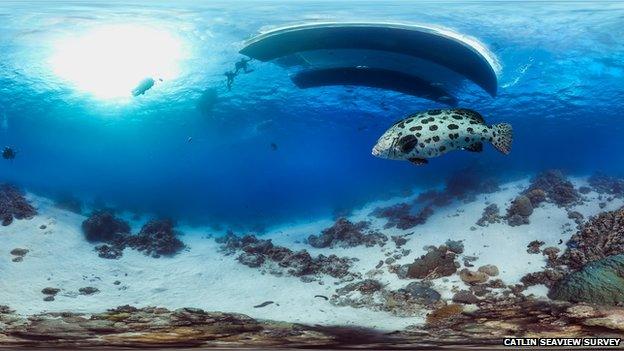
[(435, 132)]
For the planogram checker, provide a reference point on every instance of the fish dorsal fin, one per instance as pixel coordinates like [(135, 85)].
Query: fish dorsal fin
[(468, 113), (417, 115), (476, 147)]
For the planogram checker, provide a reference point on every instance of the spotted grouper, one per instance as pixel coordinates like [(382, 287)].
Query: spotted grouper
[(435, 132)]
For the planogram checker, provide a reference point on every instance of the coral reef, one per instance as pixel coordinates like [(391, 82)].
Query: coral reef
[(437, 262), (519, 211), (604, 184), (103, 226), (347, 234), (557, 188), (408, 301), (534, 246), (13, 205), (599, 282), (400, 215), (577, 217), (600, 237), (491, 214), (473, 277), (157, 237), (278, 259), (447, 326)]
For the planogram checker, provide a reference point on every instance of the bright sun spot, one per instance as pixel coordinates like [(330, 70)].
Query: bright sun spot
[(111, 60)]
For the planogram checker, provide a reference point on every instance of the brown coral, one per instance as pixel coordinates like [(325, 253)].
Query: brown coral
[(602, 236)]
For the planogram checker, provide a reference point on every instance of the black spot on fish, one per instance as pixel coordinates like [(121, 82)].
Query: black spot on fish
[(467, 139), (453, 126), (418, 135), (413, 129), (428, 140), (401, 125), (418, 127), (442, 148), (436, 138), (407, 143), (409, 120), (424, 120), (433, 127), (470, 129), (484, 130), (494, 134), (434, 112), (457, 117), (456, 135), (421, 145), (482, 138)]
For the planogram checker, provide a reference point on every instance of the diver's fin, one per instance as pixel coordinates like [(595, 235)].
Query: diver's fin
[(418, 161), (502, 137), (476, 147)]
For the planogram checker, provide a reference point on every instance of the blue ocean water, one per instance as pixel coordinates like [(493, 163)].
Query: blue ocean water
[(560, 85)]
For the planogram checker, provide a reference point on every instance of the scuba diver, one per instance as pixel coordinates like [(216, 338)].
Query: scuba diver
[(230, 79), (243, 64), (8, 153)]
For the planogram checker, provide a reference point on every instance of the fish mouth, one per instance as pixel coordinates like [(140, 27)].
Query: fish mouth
[(375, 151)]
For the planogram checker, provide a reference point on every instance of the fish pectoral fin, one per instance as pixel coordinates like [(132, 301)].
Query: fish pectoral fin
[(476, 147), (418, 161)]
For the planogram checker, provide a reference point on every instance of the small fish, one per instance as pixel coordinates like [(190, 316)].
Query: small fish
[(274, 146), (264, 304), (435, 132), (189, 140)]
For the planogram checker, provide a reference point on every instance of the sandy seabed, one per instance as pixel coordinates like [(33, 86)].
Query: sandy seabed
[(203, 277)]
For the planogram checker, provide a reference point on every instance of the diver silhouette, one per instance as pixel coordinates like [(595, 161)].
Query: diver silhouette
[(230, 75), (244, 65), (8, 153)]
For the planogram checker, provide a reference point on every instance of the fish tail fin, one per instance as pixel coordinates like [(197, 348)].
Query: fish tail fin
[(504, 136)]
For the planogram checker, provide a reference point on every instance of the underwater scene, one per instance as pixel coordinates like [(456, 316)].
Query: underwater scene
[(311, 174)]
